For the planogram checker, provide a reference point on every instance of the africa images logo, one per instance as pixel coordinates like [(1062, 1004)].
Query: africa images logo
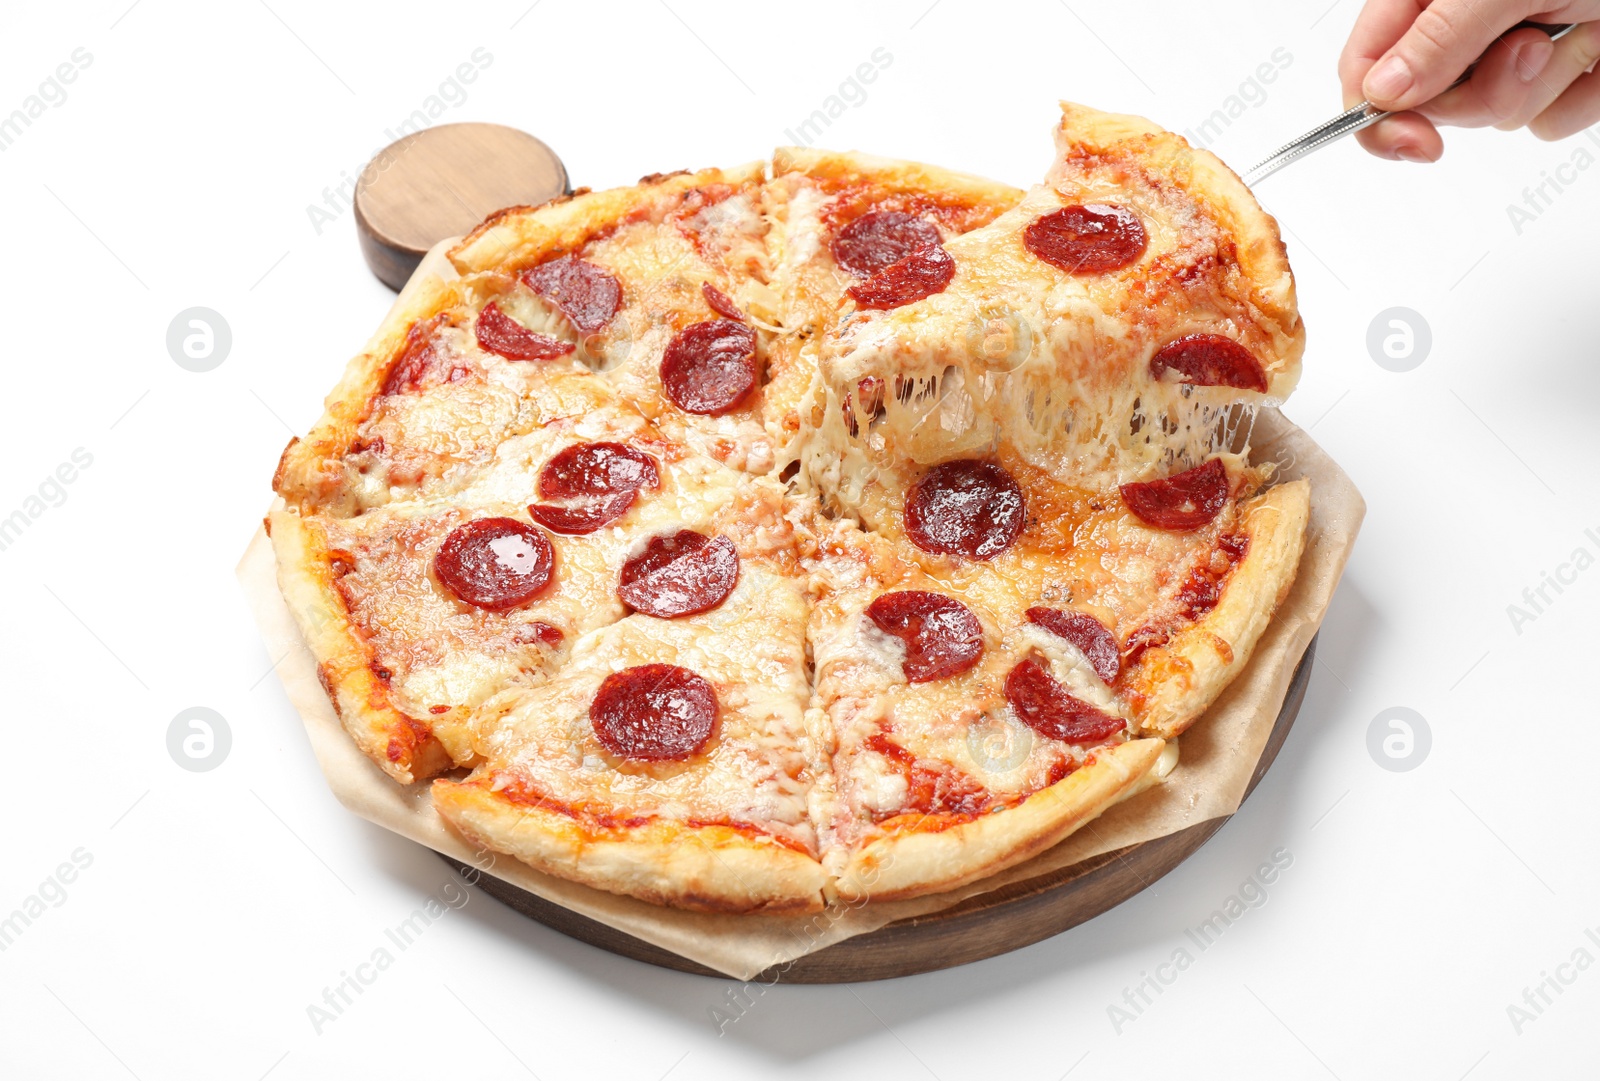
[(451, 93), (1537, 598), (51, 93), (1251, 894)]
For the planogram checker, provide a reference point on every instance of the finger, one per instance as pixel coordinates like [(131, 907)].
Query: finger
[(1501, 84), (1573, 111), (1403, 137), (1573, 55), (1446, 37), (1380, 24)]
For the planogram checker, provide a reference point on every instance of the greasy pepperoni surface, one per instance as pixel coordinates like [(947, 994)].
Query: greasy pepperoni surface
[(598, 481), (967, 508), (499, 333), (583, 292), (495, 563), (1087, 633), (1210, 360), (942, 636), (920, 274), (1186, 501), (709, 368), (880, 239), (721, 302), (1092, 239), (680, 575), (593, 469), (654, 712), (1045, 706)]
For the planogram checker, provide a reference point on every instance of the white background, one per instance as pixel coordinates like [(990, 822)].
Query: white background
[(1419, 905)]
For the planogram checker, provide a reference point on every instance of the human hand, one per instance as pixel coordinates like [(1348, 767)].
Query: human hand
[(1404, 53)]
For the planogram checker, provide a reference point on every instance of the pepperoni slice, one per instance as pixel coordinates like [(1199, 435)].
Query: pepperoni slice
[(419, 358), (599, 481), (499, 333), (880, 239), (680, 575), (967, 508), (596, 469), (495, 563), (1045, 706), (1210, 360), (1186, 501), (584, 516), (920, 274), (586, 294), (721, 302), (942, 636), (1090, 239), (654, 712), (709, 368), (1087, 633)]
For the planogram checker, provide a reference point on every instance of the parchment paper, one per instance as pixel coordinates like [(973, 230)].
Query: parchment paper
[(1218, 755)]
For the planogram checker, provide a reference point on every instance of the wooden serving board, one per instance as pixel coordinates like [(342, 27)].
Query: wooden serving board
[(441, 182), (983, 926)]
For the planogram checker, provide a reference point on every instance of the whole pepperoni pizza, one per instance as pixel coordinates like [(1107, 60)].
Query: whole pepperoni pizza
[(826, 527)]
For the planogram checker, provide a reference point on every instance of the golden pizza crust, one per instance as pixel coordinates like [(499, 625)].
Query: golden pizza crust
[(405, 748), (910, 862), (706, 868), (1173, 684), (521, 236), (849, 168)]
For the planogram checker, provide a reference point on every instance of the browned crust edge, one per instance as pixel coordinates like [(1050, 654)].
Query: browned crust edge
[(344, 659), (910, 864), (704, 868)]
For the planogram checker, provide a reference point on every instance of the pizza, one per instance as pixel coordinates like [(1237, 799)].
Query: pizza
[(829, 527)]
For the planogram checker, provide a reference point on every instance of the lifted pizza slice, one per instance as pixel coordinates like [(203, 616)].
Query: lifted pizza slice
[(1123, 320)]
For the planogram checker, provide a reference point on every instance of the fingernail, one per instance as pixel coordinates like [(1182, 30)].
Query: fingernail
[(1532, 58), (1412, 154), (1387, 81)]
